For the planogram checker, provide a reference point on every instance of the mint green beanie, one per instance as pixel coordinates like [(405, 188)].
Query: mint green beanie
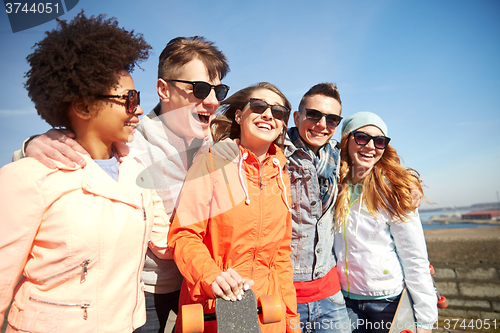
[(361, 119)]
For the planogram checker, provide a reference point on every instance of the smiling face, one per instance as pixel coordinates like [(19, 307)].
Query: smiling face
[(99, 124), (112, 122), (258, 131), (186, 115), (315, 135), (363, 158)]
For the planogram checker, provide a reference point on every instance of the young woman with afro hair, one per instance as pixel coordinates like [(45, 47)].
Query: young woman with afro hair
[(76, 236)]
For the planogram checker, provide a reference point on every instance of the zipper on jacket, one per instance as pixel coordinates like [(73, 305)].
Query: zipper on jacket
[(345, 242), (84, 265), (259, 231), (84, 270), (84, 306), (143, 255)]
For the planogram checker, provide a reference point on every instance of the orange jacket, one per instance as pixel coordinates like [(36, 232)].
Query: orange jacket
[(79, 239), (235, 216)]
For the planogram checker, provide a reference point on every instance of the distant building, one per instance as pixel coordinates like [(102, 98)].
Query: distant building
[(482, 215)]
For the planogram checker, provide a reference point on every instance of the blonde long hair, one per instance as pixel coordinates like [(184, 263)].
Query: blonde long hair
[(387, 187)]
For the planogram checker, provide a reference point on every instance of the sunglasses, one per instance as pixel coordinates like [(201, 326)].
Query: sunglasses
[(362, 139), (202, 89), (133, 100), (314, 116), (260, 106)]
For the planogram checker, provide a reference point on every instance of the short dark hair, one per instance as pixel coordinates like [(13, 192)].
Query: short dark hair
[(181, 50), (80, 60), (325, 89)]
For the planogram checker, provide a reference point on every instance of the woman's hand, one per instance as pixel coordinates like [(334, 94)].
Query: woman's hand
[(56, 145), (416, 197), (227, 150), (230, 286)]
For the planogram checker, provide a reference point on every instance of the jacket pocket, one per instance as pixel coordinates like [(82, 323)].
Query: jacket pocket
[(82, 305), (54, 279)]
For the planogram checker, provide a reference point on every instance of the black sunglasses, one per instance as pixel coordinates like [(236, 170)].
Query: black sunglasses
[(259, 106), (314, 116), (362, 139), (133, 98), (202, 89)]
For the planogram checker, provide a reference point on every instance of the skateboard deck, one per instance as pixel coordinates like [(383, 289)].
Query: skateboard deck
[(404, 320), (239, 316)]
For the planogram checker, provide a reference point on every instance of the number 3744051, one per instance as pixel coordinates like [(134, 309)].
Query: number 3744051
[(470, 324), (40, 7)]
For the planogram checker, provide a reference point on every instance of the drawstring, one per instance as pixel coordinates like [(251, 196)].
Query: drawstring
[(242, 182), (277, 163), (240, 164)]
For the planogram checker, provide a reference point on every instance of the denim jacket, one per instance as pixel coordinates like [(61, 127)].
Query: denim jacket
[(313, 255)]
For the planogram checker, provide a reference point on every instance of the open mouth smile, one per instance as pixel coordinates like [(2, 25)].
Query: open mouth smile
[(264, 126), (366, 155), (315, 133), (203, 117)]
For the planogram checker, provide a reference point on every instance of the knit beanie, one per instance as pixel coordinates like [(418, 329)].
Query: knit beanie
[(361, 119)]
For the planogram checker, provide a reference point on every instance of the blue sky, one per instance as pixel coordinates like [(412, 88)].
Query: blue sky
[(430, 69)]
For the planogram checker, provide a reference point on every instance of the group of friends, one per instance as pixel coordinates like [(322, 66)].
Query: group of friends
[(113, 221)]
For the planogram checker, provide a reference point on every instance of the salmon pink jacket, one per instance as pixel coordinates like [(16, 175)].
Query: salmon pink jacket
[(78, 240), (235, 216)]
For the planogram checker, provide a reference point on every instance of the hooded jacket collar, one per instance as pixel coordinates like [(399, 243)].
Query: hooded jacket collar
[(96, 181)]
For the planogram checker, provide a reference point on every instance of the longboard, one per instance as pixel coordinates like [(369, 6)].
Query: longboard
[(404, 319), (239, 316)]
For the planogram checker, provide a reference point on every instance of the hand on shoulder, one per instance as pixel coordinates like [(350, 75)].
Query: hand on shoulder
[(56, 145)]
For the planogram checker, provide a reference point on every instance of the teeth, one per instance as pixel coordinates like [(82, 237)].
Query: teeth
[(131, 124), (262, 125), (207, 114), (317, 133), (367, 155)]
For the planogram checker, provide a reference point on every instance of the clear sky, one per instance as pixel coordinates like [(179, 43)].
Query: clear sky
[(430, 69)]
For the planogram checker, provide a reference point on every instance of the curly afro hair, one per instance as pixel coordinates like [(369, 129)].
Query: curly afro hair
[(80, 60)]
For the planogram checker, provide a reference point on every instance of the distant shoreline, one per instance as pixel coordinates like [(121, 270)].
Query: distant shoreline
[(472, 208), (452, 219)]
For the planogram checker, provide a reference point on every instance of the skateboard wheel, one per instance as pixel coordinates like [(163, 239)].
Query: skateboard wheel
[(192, 318), (406, 331), (432, 270), (442, 302), (271, 309)]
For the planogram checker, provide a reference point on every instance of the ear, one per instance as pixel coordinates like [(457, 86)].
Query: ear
[(163, 90), (80, 108), (237, 116), (296, 118)]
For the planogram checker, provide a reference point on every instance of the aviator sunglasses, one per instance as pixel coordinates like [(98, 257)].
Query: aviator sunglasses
[(260, 106), (362, 139), (133, 100), (314, 116), (202, 89)]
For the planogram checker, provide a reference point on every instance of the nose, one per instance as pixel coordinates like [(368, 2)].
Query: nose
[(268, 113), (370, 144), (211, 99), (322, 122), (139, 111)]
